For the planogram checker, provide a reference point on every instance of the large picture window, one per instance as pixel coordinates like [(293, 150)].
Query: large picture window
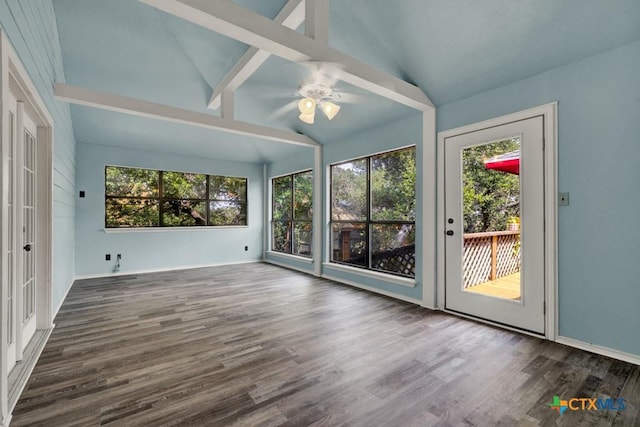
[(373, 209), (292, 213), (150, 198)]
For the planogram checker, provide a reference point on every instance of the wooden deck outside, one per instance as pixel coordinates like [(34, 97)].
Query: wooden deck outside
[(505, 287)]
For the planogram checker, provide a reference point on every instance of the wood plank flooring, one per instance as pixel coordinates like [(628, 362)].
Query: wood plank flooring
[(259, 345)]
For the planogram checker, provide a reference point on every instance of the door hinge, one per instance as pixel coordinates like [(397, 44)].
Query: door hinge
[(544, 308)]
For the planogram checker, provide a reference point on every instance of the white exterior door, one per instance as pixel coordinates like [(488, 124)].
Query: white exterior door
[(21, 313), (494, 224)]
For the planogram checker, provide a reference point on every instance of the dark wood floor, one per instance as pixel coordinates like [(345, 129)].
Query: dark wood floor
[(260, 345)]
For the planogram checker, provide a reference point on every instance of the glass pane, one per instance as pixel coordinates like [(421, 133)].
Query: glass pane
[(349, 191), (227, 213), (282, 197), (302, 242), (183, 213), (228, 188), (394, 248), (491, 219), (131, 182), (303, 195), (281, 236), (132, 213), (349, 243), (393, 186), (184, 185)]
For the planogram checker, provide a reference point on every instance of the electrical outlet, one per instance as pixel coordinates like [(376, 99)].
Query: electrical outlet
[(246, 248), (563, 199), (107, 257)]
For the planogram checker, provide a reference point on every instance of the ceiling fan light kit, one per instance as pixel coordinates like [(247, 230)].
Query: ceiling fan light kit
[(307, 118), (329, 109), (316, 95)]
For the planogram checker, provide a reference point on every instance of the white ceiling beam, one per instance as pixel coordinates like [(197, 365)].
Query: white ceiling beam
[(292, 15), (316, 21), (228, 104), (140, 108), (231, 20)]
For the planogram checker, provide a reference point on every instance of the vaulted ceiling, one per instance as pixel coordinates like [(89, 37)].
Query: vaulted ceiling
[(450, 49)]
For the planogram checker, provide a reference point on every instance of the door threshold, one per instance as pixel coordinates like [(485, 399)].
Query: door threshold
[(22, 370), (496, 324)]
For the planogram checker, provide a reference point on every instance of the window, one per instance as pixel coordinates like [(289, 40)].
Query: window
[(149, 198), (292, 213), (373, 202)]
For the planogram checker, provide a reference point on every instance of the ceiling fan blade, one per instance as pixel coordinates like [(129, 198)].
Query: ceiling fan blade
[(284, 110)]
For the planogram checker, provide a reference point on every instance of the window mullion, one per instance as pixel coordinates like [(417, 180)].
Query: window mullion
[(160, 198), (207, 202), (368, 226), (293, 214)]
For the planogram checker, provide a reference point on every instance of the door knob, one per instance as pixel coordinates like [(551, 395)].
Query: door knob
[(27, 247), (449, 232)]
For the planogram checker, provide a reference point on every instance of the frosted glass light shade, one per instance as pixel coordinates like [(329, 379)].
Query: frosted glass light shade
[(307, 118), (307, 106), (329, 109)]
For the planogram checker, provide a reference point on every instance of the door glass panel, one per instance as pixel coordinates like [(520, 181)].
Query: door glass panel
[(28, 208), (491, 219)]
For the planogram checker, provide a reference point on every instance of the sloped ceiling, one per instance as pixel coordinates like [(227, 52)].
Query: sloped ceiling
[(450, 49)]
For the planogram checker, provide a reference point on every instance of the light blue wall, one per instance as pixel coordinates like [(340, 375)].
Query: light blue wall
[(31, 28), (599, 164), (300, 162), (402, 133), (160, 249)]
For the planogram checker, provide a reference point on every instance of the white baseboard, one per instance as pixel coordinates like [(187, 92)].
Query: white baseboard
[(372, 289), (161, 270), (289, 266), (604, 351)]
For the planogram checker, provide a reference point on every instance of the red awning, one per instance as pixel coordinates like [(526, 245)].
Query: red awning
[(508, 162)]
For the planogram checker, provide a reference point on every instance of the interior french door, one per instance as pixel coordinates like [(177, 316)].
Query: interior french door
[(21, 298), (494, 224)]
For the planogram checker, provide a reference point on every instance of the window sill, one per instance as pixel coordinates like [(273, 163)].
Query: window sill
[(291, 257), (169, 229), (389, 278)]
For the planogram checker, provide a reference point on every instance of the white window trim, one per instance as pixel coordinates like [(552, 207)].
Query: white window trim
[(170, 229), (293, 257), (371, 274)]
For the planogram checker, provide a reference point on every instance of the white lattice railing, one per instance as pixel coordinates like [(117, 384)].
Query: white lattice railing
[(490, 255)]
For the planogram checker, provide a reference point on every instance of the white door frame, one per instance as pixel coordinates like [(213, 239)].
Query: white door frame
[(549, 114), (13, 74)]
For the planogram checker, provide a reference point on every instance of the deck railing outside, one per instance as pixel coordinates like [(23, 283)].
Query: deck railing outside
[(489, 256)]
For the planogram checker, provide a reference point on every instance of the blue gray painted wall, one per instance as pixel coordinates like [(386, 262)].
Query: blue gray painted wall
[(31, 27), (598, 163), (598, 158), (159, 249), (402, 133)]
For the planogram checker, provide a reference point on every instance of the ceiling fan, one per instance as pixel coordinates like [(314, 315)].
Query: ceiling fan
[(317, 91), (317, 95)]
